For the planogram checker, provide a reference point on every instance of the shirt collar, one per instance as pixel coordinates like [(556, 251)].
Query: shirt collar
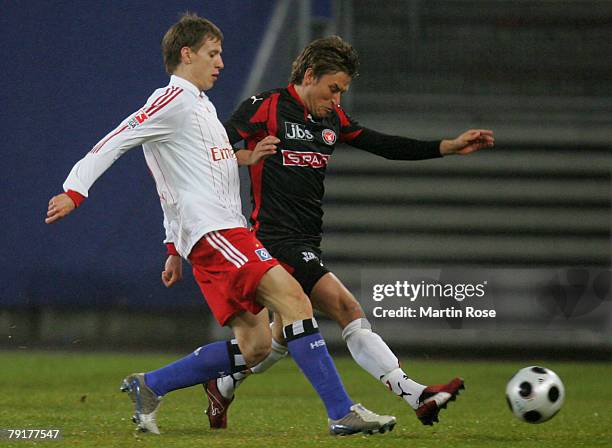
[(187, 85)]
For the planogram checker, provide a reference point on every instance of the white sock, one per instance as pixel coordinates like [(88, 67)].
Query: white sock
[(278, 352), (374, 355), (402, 386), (228, 384)]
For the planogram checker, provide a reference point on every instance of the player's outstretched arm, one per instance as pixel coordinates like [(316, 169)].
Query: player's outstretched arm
[(264, 148), (468, 142), (60, 206), (173, 271), (135, 130)]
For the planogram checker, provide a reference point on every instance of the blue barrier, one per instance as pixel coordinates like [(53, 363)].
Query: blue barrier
[(72, 70)]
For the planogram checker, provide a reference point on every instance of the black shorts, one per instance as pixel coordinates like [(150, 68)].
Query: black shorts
[(302, 261)]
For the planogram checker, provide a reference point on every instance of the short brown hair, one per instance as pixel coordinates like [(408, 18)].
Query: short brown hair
[(325, 55), (190, 31)]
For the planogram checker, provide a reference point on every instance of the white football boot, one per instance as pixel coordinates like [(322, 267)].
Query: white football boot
[(361, 420), (146, 403)]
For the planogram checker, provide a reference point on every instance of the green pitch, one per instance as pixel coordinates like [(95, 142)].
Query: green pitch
[(79, 394)]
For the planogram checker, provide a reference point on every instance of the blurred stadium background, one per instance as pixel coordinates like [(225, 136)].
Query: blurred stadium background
[(536, 72)]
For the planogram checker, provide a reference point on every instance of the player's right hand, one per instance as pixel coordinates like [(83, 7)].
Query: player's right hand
[(264, 148), (59, 207), (173, 271)]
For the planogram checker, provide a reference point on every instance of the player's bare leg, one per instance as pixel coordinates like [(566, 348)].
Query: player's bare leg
[(253, 340), (280, 292), (221, 391), (253, 335), (368, 349)]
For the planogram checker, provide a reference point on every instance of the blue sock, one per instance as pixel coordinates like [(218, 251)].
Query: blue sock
[(207, 362), (309, 352)]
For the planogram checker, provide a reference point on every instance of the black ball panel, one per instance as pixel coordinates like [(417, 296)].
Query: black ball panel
[(525, 389), (538, 370), (553, 394), (532, 416)]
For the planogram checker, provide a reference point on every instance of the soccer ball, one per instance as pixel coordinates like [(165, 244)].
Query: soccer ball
[(535, 394)]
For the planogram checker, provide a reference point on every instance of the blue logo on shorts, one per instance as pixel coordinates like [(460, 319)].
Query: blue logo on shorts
[(263, 254)]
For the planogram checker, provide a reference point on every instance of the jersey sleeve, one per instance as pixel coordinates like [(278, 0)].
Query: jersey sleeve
[(155, 122), (349, 128), (249, 119), (171, 224), (395, 147), (388, 146)]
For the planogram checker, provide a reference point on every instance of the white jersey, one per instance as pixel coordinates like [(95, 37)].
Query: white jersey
[(188, 152)]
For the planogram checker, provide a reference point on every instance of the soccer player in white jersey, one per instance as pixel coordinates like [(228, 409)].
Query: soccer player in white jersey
[(196, 174)]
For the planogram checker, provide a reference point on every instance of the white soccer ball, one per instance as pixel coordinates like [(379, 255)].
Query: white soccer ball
[(535, 394)]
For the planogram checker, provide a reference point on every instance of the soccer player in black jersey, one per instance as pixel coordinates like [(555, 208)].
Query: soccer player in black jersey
[(301, 125)]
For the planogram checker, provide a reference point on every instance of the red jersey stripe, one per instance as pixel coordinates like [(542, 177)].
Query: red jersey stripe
[(294, 94), (272, 118), (262, 113), (344, 121), (160, 98), (243, 134), (256, 170), (165, 102), (99, 146)]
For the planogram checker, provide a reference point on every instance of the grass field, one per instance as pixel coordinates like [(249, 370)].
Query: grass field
[(78, 393)]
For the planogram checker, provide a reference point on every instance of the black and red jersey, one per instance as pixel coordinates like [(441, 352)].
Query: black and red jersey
[(287, 188)]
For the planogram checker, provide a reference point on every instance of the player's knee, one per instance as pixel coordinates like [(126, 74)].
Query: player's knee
[(256, 355), (300, 309), (255, 351), (347, 310), (297, 303)]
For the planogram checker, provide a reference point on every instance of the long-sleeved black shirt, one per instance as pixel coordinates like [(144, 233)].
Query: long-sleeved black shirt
[(287, 188)]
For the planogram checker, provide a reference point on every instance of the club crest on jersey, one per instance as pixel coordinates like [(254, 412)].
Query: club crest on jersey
[(296, 131), (263, 254), (329, 136), (312, 159), (137, 119)]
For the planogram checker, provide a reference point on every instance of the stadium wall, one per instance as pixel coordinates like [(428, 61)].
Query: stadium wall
[(72, 70), (76, 68)]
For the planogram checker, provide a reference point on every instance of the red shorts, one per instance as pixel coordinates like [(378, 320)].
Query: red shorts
[(228, 265)]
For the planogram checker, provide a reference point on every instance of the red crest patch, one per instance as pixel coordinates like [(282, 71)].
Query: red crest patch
[(329, 136)]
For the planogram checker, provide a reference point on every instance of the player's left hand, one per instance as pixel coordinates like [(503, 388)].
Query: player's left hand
[(468, 142), (173, 271)]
